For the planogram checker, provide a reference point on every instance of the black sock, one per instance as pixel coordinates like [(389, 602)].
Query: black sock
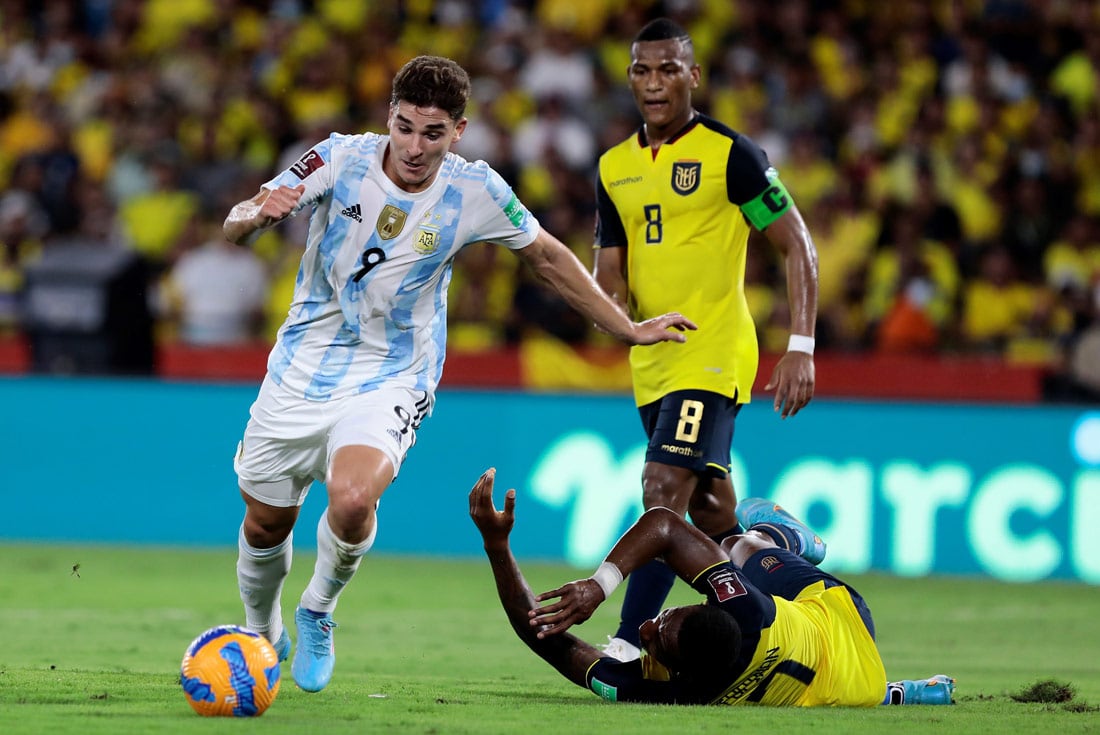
[(646, 590), (718, 538), (784, 537)]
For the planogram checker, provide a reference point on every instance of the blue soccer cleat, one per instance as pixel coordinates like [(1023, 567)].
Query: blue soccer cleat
[(282, 646), (938, 689), (763, 512), (316, 654)]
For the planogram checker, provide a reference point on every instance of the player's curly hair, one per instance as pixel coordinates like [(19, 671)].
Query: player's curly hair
[(433, 81), (707, 645)]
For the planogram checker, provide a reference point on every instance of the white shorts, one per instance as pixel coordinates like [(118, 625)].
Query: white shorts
[(290, 440)]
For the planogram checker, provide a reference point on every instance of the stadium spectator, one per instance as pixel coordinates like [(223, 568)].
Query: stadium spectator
[(553, 130), (813, 176), (775, 630), (983, 94), (1073, 259), (996, 305), (1029, 226), (482, 293), (844, 235), (354, 370), (214, 293), (676, 202), (912, 285), (22, 226), (558, 66), (153, 222), (938, 217)]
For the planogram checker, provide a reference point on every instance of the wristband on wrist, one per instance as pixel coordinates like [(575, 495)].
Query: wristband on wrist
[(800, 343), (608, 577)]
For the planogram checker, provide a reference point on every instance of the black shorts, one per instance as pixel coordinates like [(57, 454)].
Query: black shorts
[(783, 573), (692, 429)]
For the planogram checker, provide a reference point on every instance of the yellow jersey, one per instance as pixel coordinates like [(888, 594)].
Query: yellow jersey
[(811, 651), (683, 213)]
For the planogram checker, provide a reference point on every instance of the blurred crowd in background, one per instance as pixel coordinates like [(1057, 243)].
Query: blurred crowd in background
[(945, 153)]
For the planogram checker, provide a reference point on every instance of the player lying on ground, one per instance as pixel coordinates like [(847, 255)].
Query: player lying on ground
[(774, 630)]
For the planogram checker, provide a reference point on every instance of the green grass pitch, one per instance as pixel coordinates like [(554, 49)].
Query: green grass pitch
[(423, 647)]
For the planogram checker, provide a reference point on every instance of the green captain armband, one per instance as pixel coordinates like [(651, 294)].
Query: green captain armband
[(770, 205)]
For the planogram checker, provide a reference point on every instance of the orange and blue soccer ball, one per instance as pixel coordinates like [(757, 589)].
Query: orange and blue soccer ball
[(230, 671)]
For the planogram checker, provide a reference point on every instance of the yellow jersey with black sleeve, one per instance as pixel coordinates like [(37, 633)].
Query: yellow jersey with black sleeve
[(816, 652), (811, 651), (683, 213)]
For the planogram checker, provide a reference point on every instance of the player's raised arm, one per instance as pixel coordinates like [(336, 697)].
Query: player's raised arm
[(568, 654), (558, 266)]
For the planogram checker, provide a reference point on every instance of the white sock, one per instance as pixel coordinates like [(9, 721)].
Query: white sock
[(337, 561), (260, 576)]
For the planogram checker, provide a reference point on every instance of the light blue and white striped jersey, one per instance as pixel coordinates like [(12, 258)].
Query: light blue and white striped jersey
[(370, 301)]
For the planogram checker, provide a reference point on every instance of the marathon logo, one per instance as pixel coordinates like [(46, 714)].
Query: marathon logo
[(307, 164), (684, 451), (624, 181)]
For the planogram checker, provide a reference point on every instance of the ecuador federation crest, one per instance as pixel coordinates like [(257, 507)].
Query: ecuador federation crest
[(685, 176), (391, 221)]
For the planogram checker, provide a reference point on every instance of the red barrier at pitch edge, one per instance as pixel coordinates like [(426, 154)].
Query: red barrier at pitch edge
[(870, 376)]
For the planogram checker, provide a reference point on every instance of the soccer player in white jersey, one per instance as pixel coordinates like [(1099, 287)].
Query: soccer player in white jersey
[(356, 363)]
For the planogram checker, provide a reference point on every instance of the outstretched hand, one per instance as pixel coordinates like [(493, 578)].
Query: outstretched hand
[(576, 601), (495, 526), (659, 329), (793, 382)]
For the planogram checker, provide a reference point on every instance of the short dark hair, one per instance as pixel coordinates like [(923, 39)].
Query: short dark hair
[(707, 644), (662, 29), (433, 81)]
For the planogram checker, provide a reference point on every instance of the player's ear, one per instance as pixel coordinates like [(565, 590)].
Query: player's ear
[(460, 127)]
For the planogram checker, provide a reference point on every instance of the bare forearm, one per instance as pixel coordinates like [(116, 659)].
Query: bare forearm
[(565, 652), (557, 266), (661, 534), (802, 290), (270, 206), (792, 238), (585, 295), (242, 225)]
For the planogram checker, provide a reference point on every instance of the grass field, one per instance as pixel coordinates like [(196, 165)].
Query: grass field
[(423, 647)]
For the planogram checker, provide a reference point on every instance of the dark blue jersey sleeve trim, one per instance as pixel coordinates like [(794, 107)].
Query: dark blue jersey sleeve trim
[(610, 232)]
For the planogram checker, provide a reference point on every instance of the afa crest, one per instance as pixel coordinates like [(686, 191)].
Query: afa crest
[(426, 241), (685, 176)]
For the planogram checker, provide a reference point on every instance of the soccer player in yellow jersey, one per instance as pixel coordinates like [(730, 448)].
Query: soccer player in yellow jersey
[(675, 204), (774, 630)]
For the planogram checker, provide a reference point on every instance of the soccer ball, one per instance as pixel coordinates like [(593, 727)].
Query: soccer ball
[(230, 671)]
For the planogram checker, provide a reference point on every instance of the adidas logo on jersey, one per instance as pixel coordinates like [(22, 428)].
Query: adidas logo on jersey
[(354, 211)]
